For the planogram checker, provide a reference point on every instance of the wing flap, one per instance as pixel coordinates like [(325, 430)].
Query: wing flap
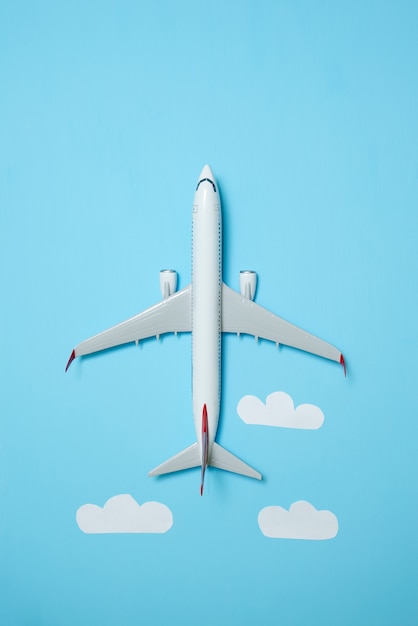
[(241, 315), (172, 315)]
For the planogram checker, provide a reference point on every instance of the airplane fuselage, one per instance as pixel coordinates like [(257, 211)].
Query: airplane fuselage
[(206, 306)]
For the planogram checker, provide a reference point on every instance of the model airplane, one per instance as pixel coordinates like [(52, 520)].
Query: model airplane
[(206, 308)]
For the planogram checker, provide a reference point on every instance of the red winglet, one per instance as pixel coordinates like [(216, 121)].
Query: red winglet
[(343, 364), (70, 360)]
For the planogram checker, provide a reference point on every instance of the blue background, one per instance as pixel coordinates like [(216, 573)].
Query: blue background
[(307, 114)]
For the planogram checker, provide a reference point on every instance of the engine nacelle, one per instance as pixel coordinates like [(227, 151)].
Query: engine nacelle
[(168, 282), (247, 283)]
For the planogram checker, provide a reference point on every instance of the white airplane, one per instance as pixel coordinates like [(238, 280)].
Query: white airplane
[(206, 308)]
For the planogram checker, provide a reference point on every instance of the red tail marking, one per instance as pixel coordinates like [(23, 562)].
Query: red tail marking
[(343, 364), (204, 446), (70, 360), (204, 419)]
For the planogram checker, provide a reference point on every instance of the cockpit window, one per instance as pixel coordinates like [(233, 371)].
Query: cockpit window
[(209, 181)]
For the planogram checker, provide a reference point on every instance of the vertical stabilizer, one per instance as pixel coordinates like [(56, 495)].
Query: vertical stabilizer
[(205, 442)]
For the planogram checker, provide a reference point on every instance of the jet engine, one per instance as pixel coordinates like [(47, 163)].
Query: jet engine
[(247, 283), (168, 282)]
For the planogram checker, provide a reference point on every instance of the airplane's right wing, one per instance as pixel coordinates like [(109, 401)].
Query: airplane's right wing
[(172, 315), (241, 315)]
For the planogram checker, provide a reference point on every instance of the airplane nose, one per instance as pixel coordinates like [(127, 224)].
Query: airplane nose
[(206, 173)]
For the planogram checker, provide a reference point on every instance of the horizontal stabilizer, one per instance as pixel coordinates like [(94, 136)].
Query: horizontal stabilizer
[(224, 460), (190, 457)]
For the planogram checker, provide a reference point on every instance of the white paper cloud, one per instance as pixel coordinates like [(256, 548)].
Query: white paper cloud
[(279, 410), (122, 514), (301, 521)]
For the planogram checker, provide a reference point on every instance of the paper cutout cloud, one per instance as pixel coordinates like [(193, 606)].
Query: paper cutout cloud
[(301, 521), (122, 514), (279, 410)]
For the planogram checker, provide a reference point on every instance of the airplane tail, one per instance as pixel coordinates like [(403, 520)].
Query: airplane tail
[(196, 455), (219, 457)]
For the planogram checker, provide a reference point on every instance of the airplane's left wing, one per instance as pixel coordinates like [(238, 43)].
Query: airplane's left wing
[(172, 315), (241, 315)]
